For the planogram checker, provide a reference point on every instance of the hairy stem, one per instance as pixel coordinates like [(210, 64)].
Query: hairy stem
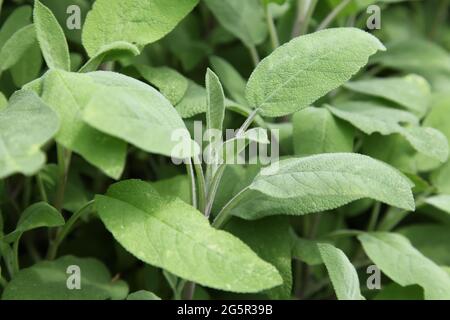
[(254, 54), (224, 215), (213, 189), (271, 26), (333, 14), (190, 172), (201, 185)]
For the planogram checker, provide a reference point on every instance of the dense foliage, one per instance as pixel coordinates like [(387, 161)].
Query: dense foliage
[(107, 186)]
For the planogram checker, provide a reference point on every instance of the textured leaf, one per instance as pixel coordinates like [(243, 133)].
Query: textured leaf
[(112, 51), (23, 133), (35, 216), (28, 67), (428, 141), (303, 70), (143, 295), (144, 22), (323, 182), (51, 38), (245, 20), (270, 240), (18, 19), (69, 94), (47, 280), (317, 131), (168, 233), (16, 46), (401, 262), (137, 113), (307, 251), (442, 202), (411, 92), (215, 102), (3, 101), (342, 273)]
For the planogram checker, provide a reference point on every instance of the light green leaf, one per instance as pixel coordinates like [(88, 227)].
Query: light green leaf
[(28, 67), (170, 83), (16, 46), (69, 94), (143, 295), (300, 72), (342, 273), (3, 101), (215, 102), (323, 182), (137, 113), (18, 19), (112, 51), (178, 186), (317, 131), (428, 141), (51, 38), (270, 240), (411, 92), (401, 262), (48, 280), (144, 22), (23, 133), (307, 251), (168, 233), (245, 20), (232, 81), (35, 216), (442, 202)]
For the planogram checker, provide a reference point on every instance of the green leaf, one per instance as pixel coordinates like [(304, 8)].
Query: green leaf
[(323, 182), (137, 113), (317, 131), (18, 19), (442, 202), (215, 102), (23, 134), (299, 72), (28, 67), (69, 94), (411, 92), (342, 273), (112, 51), (144, 22), (401, 262), (307, 251), (143, 295), (232, 81), (178, 186), (36, 216), (428, 141), (3, 101), (51, 38), (48, 280), (16, 47), (170, 83), (270, 240), (245, 20), (168, 233)]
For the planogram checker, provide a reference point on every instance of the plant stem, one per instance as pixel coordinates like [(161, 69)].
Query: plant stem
[(254, 54), (333, 14), (189, 290), (374, 217), (271, 26), (41, 188), (15, 260), (305, 9), (63, 169), (224, 215), (213, 189), (201, 185), (247, 122), (64, 231), (190, 172)]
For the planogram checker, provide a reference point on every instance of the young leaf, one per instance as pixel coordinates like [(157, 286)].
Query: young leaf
[(22, 133), (179, 239), (16, 46), (143, 295), (36, 216), (317, 131), (49, 280), (270, 239), (215, 102), (299, 72), (401, 262), (244, 19), (232, 81), (112, 51), (342, 273), (411, 92), (317, 183), (144, 22)]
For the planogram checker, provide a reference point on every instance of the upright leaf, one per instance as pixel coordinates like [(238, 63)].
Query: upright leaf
[(51, 38), (342, 273), (215, 102), (299, 72), (144, 22), (18, 19), (16, 46), (232, 81), (401, 262), (23, 133), (168, 233)]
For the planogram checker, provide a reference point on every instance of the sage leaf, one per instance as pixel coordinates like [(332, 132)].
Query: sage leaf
[(167, 233), (23, 134), (48, 280), (299, 72), (342, 273), (18, 19), (145, 21), (143, 295), (442, 202), (215, 102), (51, 38), (16, 46), (401, 262), (232, 81)]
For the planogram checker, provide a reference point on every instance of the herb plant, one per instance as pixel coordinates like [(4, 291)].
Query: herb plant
[(108, 192)]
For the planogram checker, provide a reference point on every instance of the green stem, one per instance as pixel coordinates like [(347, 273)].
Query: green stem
[(190, 172), (3, 282), (254, 54), (41, 188), (63, 169), (224, 215), (374, 217), (305, 9), (333, 14), (201, 185), (65, 230), (271, 26), (247, 122), (15, 261), (213, 189)]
